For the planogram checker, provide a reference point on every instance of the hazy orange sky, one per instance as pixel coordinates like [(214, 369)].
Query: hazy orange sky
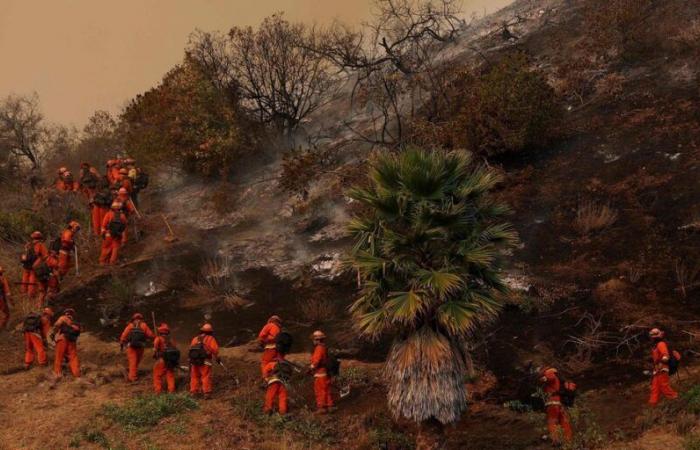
[(84, 55)]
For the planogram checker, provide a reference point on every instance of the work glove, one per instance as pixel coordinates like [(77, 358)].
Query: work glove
[(647, 373)]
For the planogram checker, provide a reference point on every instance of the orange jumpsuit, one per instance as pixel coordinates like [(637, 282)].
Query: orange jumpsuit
[(134, 355), (66, 252), (160, 370), (88, 191), (100, 204), (29, 283), (201, 375), (275, 389), (556, 413), (114, 174), (51, 287), (65, 348), (111, 244), (4, 300), (34, 343), (322, 381), (660, 380), (267, 337)]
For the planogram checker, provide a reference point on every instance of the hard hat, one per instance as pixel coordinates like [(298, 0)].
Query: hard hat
[(116, 205), (48, 311), (163, 328), (74, 224), (207, 328), (69, 311), (122, 191), (137, 316), (655, 332), (318, 334), (37, 235), (110, 163), (62, 169), (275, 318)]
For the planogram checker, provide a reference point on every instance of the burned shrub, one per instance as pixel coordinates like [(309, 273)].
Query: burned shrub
[(509, 108)]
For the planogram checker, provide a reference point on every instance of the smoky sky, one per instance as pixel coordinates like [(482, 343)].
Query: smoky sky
[(84, 55)]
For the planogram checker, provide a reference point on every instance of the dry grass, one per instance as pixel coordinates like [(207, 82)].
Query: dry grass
[(592, 216), (317, 309)]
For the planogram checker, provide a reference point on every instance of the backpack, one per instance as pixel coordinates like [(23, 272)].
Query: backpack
[(198, 354), (141, 180), (29, 257), (89, 180), (674, 360), (56, 245), (43, 272), (283, 343), (137, 337), (70, 333), (116, 227), (332, 365), (283, 370), (567, 393), (171, 356), (32, 323), (103, 199)]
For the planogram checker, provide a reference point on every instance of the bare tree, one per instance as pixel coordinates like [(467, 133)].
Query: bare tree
[(280, 79), (21, 128), (395, 57)]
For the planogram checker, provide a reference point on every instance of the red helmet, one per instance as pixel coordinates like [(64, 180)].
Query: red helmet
[(122, 191), (37, 235), (137, 316), (207, 328), (163, 328), (110, 163), (116, 205)]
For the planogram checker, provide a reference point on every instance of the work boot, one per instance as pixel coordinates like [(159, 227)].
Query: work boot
[(207, 396), (320, 411), (332, 409)]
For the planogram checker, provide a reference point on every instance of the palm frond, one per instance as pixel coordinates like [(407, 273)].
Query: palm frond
[(443, 283), (404, 306)]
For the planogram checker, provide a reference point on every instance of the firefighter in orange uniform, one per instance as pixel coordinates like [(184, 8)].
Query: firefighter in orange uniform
[(65, 333), (134, 339), (5, 298), (276, 388), (203, 351), (267, 339), (47, 278), (33, 252), (36, 333), (162, 344), (322, 379), (67, 247), (557, 417), (113, 233), (660, 377)]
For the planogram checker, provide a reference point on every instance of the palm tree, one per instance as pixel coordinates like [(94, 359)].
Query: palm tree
[(427, 252)]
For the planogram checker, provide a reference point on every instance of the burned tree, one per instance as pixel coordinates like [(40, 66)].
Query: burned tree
[(21, 128)]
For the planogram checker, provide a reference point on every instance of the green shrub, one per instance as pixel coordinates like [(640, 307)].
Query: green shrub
[(691, 397), (91, 435), (146, 411), (509, 108)]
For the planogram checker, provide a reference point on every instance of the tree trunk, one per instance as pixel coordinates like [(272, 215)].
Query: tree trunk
[(431, 435)]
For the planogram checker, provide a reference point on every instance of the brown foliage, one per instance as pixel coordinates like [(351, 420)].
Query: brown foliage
[(591, 216)]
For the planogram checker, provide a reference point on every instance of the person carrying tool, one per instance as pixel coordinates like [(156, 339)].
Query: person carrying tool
[(113, 232), (267, 338), (203, 350), (661, 357), (100, 205), (557, 417), (322, 379), (65, 333), (36, 329), (34, 251), (167, 358), (134, 338), (65, 255), (47, 278), (5, 298), (124, 198), (276, 374)]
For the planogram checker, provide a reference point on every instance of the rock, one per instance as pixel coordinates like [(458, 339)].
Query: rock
[(328, 266)]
